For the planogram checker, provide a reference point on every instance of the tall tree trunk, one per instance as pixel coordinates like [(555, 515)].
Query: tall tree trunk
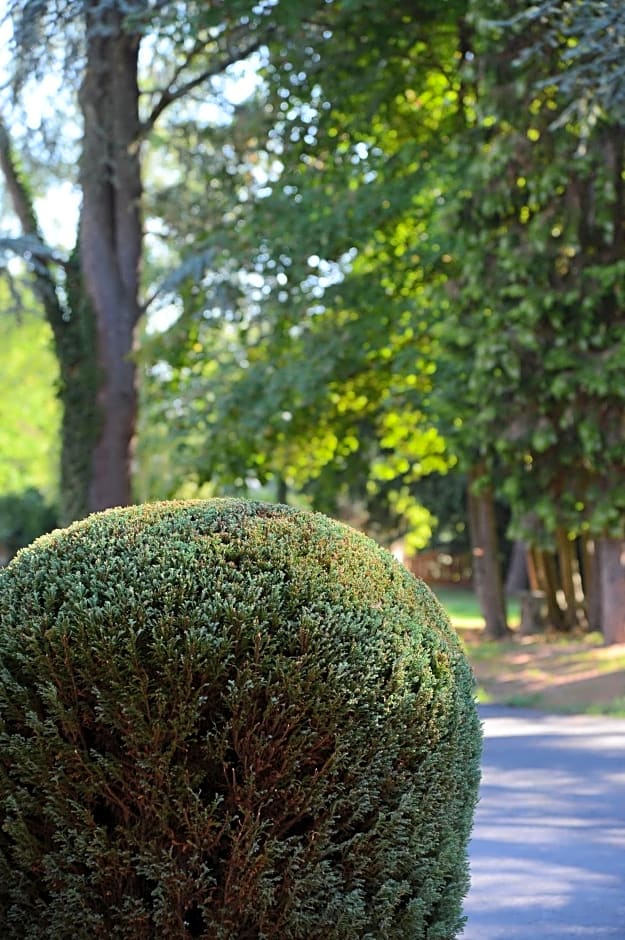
[(552, 581), (517, 578), (543, 579), (591, 581), (73, 329), (282, 490), (95, 312), (569, 571), (611, 554), (74, 332), (110, 243), (487, 575)]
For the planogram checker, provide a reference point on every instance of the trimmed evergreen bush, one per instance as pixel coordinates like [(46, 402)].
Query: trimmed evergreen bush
[(229, 720)]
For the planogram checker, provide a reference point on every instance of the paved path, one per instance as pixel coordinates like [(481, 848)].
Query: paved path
[(548, 848)]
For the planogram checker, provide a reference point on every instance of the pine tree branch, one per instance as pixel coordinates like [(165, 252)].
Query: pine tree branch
[(173, 93), (22, 203)]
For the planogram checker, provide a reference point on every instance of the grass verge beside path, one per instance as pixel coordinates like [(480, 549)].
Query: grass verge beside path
[(570, 674)]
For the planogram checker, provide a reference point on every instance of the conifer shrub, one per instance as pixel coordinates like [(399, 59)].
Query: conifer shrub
[(229, 720)]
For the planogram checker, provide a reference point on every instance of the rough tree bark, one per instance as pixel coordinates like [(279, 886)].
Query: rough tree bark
[(591, 581), (517, 577), (544, 580), (93, 326), (487, 576), (73, 330), (110, 242), (94, 318), (612, 588), (573, 615), (95, 314)]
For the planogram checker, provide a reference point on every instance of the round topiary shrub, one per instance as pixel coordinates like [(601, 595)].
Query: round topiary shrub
[(229, 720)]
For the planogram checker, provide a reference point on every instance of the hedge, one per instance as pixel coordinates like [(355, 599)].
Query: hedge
[(229, 720)]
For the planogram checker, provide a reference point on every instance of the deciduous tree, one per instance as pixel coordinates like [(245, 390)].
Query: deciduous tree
[(126, 62)]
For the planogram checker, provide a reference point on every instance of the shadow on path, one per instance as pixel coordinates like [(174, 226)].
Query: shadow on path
[(548, 847)]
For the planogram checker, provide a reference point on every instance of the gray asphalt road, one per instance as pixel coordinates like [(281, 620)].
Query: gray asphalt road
[(548, 848)]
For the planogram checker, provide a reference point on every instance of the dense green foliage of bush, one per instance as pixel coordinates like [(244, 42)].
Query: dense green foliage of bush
[(229, 720)]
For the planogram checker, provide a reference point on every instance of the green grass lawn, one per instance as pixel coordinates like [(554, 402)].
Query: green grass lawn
[(555, 672), (464, 611)]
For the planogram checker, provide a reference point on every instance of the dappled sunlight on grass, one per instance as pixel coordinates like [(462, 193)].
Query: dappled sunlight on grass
[(463, 608), (556, 672)]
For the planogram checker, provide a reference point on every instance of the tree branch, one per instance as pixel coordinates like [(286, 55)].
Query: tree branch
[(33, 240), (22, 203), (172, 93), (191, 55)]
